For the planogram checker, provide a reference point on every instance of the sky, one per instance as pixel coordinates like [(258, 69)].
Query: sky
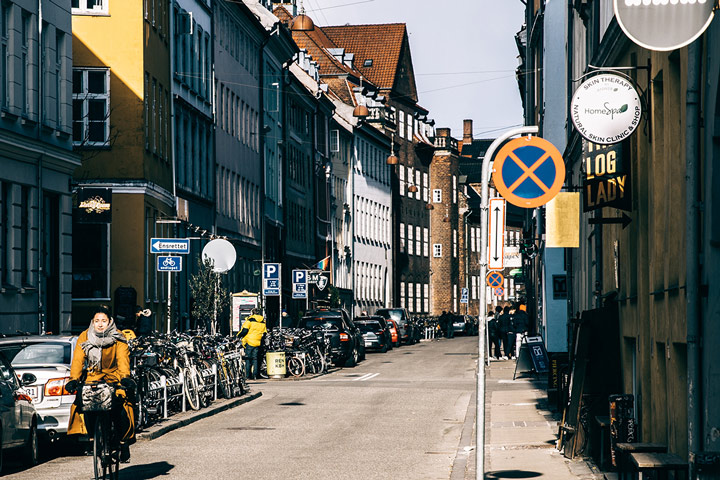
[(464, 55)]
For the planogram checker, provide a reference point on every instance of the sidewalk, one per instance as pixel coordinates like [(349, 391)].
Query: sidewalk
[(520, 430)]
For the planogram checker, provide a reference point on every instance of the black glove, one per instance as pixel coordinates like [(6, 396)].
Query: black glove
[(71, 386), (128, 384)]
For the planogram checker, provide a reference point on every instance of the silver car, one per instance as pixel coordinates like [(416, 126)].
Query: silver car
[(18, 418), (48, 358)]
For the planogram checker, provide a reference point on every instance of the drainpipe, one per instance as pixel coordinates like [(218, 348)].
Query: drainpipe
[(41, 114), (692, 250)]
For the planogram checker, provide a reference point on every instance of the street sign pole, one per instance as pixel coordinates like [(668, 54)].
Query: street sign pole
[(480, 401)]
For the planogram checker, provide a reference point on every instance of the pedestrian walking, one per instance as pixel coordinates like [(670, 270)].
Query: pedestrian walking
[(450, 332), (251, 334), (443, 321), (521, 321), (506, 330)]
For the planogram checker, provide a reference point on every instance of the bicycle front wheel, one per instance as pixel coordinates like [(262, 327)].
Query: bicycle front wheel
[(105, 461), (191, 388)]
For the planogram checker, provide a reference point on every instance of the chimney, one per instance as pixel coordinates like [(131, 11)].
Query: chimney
[(467, 132), (443, 132)]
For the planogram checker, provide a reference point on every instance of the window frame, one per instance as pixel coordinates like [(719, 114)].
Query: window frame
[(83, 9), (86, 97), (437, 250)]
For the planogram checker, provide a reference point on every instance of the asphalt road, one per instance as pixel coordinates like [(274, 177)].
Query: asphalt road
[(396, 415)]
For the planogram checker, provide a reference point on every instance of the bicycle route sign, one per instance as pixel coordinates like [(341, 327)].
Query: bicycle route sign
[(529, 171), (169, 263), (495, 279), (170, 245)]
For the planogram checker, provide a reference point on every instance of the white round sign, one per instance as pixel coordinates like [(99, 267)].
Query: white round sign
[(222, 253), (606, 109), (663, 25)]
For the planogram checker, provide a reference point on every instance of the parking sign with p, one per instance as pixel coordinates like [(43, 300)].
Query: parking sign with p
[(299, 284), (271, 279)]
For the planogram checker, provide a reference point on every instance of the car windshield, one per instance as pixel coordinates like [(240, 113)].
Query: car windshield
[(394, 314), (37, 353), (368, 326), (328, 323)]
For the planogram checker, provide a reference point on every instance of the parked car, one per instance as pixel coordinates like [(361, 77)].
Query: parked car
[(464, 324), (407, 330), (347, 346), (394, 332), (18, 418), (47, 358), (376, 335), (384, 326)]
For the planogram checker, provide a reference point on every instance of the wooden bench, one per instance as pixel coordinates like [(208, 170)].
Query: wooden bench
[(661, 463), (625, 466)]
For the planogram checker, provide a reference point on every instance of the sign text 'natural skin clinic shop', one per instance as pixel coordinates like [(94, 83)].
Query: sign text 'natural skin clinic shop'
[(606, 109)]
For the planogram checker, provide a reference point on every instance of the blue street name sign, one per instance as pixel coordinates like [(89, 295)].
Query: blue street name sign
[(169, 263), (299, 284), (170, 245), (271, 279)]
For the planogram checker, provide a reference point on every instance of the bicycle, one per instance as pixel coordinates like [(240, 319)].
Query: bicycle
[(98, 402)]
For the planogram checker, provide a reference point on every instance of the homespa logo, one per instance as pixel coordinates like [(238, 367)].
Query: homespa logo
[(606, 110), (637, 3)]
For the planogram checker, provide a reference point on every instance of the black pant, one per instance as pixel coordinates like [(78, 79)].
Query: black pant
[(494, 348), (251, 360), (510, 345)]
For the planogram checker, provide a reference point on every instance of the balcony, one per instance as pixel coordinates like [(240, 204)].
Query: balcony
[(445, 143), (382, 116)]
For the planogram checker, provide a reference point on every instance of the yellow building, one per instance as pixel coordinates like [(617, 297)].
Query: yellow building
[(122, 129)]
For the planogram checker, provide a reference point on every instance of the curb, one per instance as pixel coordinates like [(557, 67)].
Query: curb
[(173, 423)]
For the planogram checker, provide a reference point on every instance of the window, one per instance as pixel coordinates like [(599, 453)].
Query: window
[(334, 140), (91, 106), (455, 243), (410, 242), (4, 35), (25, 74), (401, 123), (426, 241), (426, 298), (409, 128), (417, 184), (437, 250), (437, 195), (90, 7), (411, 295), (402, 180), (418, 298), (90, 270), (402, 294), (454, 189), (426, 184), (418, 239), (368, 62)]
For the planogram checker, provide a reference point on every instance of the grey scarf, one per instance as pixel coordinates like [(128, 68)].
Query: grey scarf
[(97, 341)]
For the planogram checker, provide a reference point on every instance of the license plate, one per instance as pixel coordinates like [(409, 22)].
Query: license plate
[(33, 392)]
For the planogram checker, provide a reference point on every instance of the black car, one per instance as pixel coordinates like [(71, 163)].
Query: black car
[(375, 334), (347, 346), (408, 330), (384, 326)]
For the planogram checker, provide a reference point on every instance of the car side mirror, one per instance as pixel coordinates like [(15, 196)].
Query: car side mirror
[(27, 379)]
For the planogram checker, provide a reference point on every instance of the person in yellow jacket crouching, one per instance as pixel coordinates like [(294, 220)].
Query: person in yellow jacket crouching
[(252, 333), (102, 354)]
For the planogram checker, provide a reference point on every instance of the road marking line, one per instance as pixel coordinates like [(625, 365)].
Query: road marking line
[(365, 377)]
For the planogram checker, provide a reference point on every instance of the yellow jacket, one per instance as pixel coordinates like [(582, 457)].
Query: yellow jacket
[(255, 325)]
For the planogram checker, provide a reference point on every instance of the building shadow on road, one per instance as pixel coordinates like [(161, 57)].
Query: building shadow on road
[(511, 474), (146, 471)]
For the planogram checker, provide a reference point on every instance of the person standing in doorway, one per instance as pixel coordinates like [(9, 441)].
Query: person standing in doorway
[(251, 334)]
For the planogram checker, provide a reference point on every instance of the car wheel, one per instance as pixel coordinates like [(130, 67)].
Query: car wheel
[(31, 451), (384, 348), (352, 359)]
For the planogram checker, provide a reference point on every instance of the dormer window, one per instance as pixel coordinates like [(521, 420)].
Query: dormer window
[(368, 62)]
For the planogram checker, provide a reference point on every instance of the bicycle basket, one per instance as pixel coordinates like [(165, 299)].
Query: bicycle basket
[(97, 398)]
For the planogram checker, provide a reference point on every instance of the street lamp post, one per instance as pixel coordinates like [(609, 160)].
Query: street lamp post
[(480, 414)]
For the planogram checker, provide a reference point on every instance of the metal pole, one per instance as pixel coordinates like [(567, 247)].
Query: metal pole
[(169, 301), (480, 414)]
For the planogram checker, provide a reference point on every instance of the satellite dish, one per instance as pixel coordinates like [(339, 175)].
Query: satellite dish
[(222, 253)]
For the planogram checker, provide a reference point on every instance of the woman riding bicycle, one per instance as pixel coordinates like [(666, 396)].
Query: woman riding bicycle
[(102, 353)]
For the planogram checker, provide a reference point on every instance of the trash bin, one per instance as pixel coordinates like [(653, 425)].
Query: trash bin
[(275, 364)]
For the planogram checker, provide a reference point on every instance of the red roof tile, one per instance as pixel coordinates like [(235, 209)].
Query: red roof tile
[(380, 43)]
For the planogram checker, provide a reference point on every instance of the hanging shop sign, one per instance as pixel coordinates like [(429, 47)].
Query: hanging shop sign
[(94, 205), (607, 178), (606, 109), (663, 25)]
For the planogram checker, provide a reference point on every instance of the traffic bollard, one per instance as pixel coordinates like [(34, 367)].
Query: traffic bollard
[(215, 375)]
